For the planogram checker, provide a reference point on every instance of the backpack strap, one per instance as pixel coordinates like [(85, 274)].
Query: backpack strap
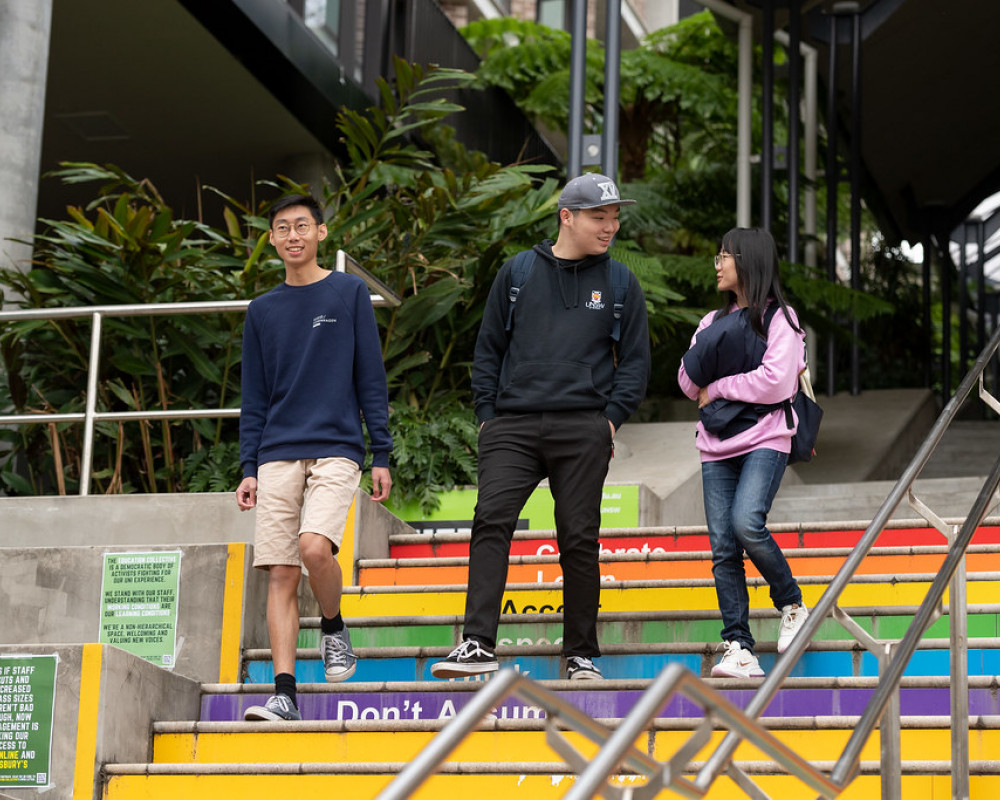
[(786, 404), (521, 269), (519, 272), (769, 315), (619, 288)]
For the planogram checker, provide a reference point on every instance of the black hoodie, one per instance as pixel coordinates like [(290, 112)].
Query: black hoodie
[(559, 355)]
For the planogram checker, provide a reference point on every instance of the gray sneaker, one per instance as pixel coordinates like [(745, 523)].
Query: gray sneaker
[(339, 661), (279, 707)]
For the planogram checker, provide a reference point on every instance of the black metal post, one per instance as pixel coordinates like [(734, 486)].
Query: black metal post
[(577, 87), (794, 127), (855, 191), (963, 300), (981, 287), (832, 182), (767, 113), (612, 70), (946, 270), (929, 337)]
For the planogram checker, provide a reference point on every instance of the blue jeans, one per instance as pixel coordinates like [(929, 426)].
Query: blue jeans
[(738, 494)]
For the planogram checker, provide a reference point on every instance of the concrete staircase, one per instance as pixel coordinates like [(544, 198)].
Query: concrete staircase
[(658, 607)]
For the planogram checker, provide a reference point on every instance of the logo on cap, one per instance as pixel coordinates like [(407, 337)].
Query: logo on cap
[(608, 191)]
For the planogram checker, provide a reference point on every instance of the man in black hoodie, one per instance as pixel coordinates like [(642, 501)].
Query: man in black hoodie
[(551, 388)]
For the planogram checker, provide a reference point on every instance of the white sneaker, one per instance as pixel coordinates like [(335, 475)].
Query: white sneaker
[(737, 662), (793, 617)]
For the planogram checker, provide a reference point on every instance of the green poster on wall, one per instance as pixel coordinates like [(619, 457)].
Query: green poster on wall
[(139, 595), (27, 692)]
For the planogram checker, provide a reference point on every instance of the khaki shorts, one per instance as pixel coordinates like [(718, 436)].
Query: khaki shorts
[(294, 497)]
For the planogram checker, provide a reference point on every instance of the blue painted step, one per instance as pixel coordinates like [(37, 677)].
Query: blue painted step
[(637, 666)]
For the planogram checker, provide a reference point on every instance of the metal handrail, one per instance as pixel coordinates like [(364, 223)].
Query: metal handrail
[(381, 295), (896, 656), (617, 747)]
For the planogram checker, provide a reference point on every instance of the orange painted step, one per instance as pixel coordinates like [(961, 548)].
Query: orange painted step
[(457, 574)]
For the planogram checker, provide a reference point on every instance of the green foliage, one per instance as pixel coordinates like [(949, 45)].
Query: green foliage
[(435, 234), (433, 452), (124, 248)]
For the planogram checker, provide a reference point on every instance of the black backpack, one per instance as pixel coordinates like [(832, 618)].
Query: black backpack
[(806, 409)]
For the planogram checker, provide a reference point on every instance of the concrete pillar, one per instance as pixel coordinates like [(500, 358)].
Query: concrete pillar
[(661, 13), (25, 26)]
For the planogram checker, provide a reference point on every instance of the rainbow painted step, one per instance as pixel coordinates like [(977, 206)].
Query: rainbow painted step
[(797, 698), (665, 540), (623, 663), (887, 623), (357, 760), (622, 596), (670, 565)]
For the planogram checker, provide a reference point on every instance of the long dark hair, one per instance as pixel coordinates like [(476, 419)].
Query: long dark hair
[(756, 257)]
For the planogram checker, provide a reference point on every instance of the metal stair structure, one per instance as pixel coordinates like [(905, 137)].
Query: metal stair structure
[(406, 613)]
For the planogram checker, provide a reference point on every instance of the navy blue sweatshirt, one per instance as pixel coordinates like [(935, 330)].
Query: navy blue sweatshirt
[(312, 365), (559, 355)]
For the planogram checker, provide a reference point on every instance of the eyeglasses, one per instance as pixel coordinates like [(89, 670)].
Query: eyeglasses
[(719, 258), (281, 230)]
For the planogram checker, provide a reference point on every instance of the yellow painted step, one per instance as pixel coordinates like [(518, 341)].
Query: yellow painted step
[(486, 787), (615, 597), (372, 747)]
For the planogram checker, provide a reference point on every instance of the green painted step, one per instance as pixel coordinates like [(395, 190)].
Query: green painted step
[(542, 629)]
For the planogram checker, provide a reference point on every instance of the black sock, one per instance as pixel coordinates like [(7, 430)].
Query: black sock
[(284, 683), (331, 624)]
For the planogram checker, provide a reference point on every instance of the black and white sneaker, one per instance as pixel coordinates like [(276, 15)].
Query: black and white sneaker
[(469, 658), (278, 708), (579, 668)]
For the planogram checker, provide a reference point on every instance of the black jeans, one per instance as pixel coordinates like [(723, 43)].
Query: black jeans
[(572, 449)]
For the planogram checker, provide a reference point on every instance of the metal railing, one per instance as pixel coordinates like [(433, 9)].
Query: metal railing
[(617, 750), (381, 295)]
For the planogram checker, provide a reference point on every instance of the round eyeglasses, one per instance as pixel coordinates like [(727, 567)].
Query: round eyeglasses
[(721, 256), (281, 231)]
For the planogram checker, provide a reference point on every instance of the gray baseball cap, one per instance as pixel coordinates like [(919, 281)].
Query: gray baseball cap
[(591, 190)]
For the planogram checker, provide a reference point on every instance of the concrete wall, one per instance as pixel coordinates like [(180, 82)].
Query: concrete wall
[(52, 566), (52, 595), (105, 703), (132, 519)]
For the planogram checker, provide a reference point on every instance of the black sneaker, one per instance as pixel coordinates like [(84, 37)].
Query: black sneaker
[(469, 658), (579, 668), (279, 707)]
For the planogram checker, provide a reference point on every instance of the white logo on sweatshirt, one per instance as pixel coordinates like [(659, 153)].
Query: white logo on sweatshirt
[(317, 321), (594, 303)]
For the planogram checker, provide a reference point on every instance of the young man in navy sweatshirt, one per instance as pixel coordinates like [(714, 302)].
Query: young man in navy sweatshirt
[(551, 389), (312, 366)]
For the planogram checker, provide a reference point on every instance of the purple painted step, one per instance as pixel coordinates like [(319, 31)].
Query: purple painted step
[(339, 706)]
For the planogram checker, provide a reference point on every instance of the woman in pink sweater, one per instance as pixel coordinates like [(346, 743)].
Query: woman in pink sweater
[(742, 465)]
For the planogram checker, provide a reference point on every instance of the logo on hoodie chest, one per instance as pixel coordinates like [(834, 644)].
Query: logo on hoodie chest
[(595, 304)]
